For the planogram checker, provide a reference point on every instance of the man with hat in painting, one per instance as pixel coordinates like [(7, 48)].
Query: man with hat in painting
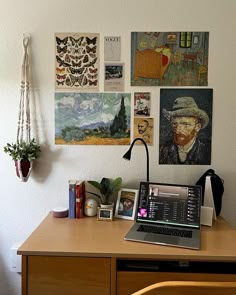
[(186, 120), (126, 204)]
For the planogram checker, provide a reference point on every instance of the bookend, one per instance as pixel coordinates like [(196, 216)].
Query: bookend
[(208, 212)]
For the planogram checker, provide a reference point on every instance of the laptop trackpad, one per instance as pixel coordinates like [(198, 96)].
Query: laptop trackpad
[(161, 239)]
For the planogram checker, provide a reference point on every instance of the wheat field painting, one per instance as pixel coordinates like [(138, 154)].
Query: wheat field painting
[(92, 118)]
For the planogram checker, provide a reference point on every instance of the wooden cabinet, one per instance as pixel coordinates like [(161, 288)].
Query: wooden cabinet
[(68, 275)]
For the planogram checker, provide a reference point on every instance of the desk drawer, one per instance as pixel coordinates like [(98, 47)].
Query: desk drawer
[(131, 281), (68, 275)]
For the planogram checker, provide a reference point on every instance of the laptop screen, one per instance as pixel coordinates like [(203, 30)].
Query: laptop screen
[(169, 204)]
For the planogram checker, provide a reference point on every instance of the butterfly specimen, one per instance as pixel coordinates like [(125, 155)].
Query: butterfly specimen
[(61, 49), (78, 50), (92, 55), (61, 77), (60, 82), (76, 57), (85, 81), (92, 76), (91, 41), (86, 59), (76, 42), (62, 62), (60, 71), (91, 63), (76, 79), (61, 41), (68, 81), (76, 71), (76, 64), (67, 58), (93, 82), (91, 70), (91, 49)]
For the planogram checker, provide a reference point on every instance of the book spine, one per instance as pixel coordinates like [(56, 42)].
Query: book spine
[(80, 195), (72, 199)]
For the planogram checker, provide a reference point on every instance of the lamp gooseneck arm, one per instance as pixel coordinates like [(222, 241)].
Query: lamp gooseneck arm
[(144, 143)]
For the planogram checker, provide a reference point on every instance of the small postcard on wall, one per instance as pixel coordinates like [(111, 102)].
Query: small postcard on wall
[(142, 104), (114, 77), (143, 128), (112, 48)]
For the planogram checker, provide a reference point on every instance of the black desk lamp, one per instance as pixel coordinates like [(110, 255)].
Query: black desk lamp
[(127, 155)]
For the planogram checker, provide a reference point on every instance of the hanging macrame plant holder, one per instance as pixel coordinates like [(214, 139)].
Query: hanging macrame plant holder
[(24, 166)]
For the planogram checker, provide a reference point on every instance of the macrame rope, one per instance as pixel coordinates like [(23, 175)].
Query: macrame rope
[(24, 106)]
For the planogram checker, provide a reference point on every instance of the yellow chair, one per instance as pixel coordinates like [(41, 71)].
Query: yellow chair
[(189, 288), (202, 70)]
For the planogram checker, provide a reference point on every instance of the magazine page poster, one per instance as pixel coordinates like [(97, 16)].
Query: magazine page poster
[(114, 77), (112, 48), (142, 104)]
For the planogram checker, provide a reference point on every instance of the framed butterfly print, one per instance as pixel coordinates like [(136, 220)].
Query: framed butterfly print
[(76, 61)]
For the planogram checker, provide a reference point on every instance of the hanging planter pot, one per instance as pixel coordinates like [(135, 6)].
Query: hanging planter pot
[(23, 169), (23, 153), (25, 149)]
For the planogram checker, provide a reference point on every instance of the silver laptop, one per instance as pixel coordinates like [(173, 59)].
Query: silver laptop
[(168, 214)]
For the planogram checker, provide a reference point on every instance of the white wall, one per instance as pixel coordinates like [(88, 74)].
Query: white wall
[(24, 205)]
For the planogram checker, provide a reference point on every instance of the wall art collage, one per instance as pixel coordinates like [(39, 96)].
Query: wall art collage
[(86, 116)]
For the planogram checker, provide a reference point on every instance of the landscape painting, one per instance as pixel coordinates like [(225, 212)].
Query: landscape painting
[(169, 58), (92, 118)]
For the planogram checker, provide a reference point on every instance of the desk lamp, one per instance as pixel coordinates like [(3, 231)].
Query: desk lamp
[(127, 155)]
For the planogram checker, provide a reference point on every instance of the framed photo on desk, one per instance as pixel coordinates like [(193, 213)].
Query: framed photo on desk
[(126, 203), (105, 214)]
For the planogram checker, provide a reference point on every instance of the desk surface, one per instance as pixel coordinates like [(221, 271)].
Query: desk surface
[(92, 238)]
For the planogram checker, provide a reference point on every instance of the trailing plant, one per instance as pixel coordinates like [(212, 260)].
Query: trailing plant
[(106, 187), (23, 150)]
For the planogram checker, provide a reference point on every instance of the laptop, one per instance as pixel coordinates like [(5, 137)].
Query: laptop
[(167, 214)]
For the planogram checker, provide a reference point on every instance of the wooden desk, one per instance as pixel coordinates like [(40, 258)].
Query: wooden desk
[(86, 256)]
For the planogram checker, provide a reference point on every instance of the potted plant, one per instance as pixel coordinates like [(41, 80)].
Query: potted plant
[(106, 187), (23, 153)]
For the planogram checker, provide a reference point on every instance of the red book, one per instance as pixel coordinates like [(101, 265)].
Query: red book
[(80, 198)]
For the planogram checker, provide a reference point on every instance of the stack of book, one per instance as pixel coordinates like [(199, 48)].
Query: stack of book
[(76, 198)]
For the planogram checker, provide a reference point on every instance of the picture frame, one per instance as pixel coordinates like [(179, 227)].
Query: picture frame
[(105, 214), (126, 203)]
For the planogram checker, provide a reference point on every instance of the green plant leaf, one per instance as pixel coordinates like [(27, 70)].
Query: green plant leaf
[(117, 183), (106, 186), (23, 150), (95, 184)]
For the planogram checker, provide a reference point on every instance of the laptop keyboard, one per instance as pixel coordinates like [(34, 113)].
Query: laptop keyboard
[(165, 231)]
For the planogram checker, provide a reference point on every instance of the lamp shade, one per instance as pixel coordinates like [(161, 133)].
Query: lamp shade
[(127, 155)]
